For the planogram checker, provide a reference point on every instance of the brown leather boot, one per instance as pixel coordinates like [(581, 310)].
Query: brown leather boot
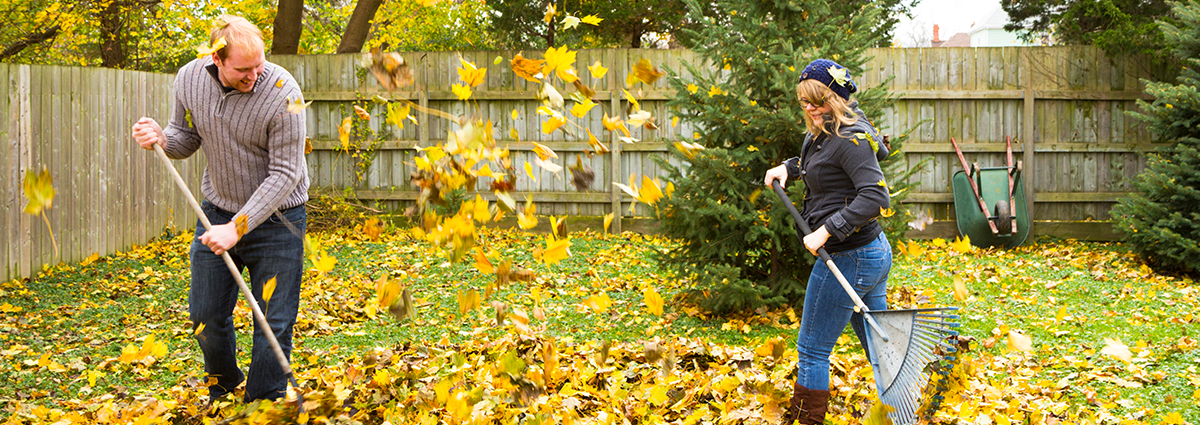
[(808, 406)]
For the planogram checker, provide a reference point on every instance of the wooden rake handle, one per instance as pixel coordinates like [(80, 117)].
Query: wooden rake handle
[(258, 314), (787, 202)]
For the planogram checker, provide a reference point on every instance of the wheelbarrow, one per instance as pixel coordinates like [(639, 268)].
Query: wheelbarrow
[(989, 202)]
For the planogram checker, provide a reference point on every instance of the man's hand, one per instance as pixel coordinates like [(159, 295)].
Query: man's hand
[(815, 240), (220, 237), (147, 132), (777, 173)]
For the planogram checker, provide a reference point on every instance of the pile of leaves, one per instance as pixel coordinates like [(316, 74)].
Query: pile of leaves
[(1052, 333)]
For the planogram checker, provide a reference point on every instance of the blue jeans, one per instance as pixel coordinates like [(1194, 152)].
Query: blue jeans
[(271, 250), (827, 307)]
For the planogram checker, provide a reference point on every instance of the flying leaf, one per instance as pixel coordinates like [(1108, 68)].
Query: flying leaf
[(598, 70), (654, 301), (528, 69), (960, 289), (570, 22), (1117, 350), (878, 414), (470, 74), (297, 106), (482, 263), (547, 165), (463, 92), (467, 300), (1019, 342), (595, 144), (480, 213), (608, 218), (592, 20), (885, 213), (208, 50), (344, 132), (373, 228), (527, 218), (614, 124), (39, 190), (556, 250), (268, 289), (240, 224), (552, 123), (559, 59), (550, 12), (645, 72), (650, 193), (551, 96), (397, 113), (598, 303), (362, 113), (962, 245), (581, 109), (543, 152), (639, 118)]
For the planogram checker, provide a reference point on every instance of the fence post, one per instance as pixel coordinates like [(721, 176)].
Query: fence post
[(1028, 127), (24, 152)]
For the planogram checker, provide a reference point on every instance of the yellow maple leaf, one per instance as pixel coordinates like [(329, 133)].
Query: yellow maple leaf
[(556, 250), (598, 303), (608, 218), (582, 108), (691, 88), (878, 414), (470, 74), (591, 20), (553, 123), (646, 72), (529, 69), (885, 213), (39, 191), (962, 245), (1173, 418), (344, 132), (206, 50), (481, 212), (550, 12), (527, 217), (373, 228), (463, 92), (1117, 350), (1019, 342), (268, 290), (960, 289), (397, 113), (614, 124), (482, 263), (543, 152), (598, 70), (649, 192), (654, 301), (297, 106), (558, 59)]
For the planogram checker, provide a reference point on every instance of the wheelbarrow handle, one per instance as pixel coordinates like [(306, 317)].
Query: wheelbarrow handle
[(821, 252)]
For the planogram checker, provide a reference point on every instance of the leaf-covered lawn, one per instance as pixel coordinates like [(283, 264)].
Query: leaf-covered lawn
[(1061, 332)]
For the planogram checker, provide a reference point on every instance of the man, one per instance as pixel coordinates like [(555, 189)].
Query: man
[(233, 104)]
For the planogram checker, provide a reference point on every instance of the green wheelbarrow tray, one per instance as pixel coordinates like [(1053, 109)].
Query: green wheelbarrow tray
[(993, 187)]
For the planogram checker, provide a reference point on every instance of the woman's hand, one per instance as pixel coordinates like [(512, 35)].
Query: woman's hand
[(778, 173), (815, 240)]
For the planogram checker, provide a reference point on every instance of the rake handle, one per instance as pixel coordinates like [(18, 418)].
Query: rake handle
[(258, 314), (787, 202)]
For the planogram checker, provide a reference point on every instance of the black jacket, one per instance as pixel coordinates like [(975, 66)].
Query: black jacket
[(842, 177)]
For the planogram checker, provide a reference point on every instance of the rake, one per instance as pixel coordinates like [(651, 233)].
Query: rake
[(899, 343), (258, 314)]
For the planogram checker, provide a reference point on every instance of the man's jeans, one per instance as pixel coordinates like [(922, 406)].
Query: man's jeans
[(827, 307), (271, 250)]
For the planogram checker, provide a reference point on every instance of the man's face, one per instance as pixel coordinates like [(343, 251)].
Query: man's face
[(241, 68)]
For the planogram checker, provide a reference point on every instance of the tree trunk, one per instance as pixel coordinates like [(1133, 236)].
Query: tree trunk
[(288, 19), (359, 26), (112, 36)]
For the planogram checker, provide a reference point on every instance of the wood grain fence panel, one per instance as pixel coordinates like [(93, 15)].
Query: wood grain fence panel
[(9, 182)]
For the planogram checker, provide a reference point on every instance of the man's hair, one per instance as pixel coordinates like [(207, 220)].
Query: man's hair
[(840, 113), (238, 32)]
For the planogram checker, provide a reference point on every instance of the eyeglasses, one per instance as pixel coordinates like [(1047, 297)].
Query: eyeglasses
[(805, 103)]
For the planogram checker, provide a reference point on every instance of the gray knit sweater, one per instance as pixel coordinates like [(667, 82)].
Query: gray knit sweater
[(255, 148)]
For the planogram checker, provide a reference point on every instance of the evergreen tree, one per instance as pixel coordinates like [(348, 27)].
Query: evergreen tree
[(738, 241), (1162, 221)]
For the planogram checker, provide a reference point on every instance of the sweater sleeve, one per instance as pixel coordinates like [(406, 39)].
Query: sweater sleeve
[(858, 159), (286, 166), (182, 138)]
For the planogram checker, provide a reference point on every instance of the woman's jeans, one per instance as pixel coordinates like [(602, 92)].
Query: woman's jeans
[(827, 307), (271, 250)]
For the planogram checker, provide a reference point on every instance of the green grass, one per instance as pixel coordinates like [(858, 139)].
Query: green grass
[(1068, 297)]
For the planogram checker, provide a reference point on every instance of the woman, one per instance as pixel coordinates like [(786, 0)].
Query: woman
[(844, 195)]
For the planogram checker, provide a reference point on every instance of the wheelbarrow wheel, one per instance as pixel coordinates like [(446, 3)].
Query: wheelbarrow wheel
[(1003, 218)]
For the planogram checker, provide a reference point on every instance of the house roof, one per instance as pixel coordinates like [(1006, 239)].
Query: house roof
[(961, 39), (993, 20)]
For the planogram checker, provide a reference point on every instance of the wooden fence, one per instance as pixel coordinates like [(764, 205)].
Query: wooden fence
[(110, 194), (1063, 107)]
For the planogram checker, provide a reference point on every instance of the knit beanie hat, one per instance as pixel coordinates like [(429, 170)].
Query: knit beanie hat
[(834, 76)]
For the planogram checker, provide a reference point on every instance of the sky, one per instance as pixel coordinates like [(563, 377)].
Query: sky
[(953, 16)]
